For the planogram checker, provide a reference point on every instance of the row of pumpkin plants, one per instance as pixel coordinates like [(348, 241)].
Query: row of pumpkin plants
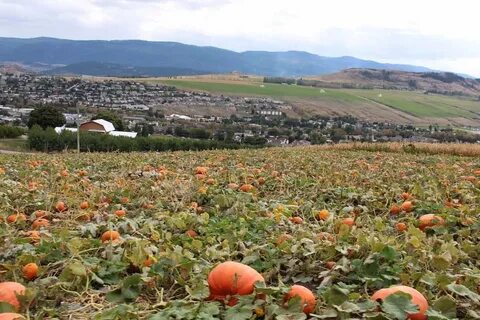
[(231, 279)]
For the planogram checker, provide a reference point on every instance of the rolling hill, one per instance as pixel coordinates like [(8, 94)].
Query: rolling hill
[(397, 106), (148, 56), (433, 82)]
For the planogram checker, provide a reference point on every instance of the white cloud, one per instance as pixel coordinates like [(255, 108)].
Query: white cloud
[(440, 34)]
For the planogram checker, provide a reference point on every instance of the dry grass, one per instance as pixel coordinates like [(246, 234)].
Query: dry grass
[(458, 149)]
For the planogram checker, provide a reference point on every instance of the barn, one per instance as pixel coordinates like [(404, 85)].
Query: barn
[(99, 126)]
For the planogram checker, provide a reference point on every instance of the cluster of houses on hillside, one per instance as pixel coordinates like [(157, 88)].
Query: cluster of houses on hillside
[(126, 96), (164, 109)]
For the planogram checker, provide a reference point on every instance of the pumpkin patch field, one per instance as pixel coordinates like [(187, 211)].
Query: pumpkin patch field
[(294, 233)]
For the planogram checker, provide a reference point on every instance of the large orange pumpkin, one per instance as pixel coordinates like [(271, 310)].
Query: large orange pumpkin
[(395, 209), (246, 188), (306, 296), (201, 170), (16, 217), (407, 206), (10, 316), (349, 222), (84, 205), (430, 220), (296, 220), (60, 206), (323, 214), (30, 271), (9, 292), (417, 298), (39, 223), (110, 236), (232, 278)]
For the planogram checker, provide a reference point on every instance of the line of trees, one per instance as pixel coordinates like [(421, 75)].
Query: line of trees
[(48, 140), (10, 132)]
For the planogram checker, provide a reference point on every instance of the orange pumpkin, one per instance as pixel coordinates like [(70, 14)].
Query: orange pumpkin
[(33, 235), (407, 206), (232, 278), (261, 181), (201, 170), (9, 292), (124, 200), (323, 214), (430, 221), (349, 222), (30, 271), (417, 298), (120, 213), (401, 227), (60, 206), (110, 235), (296, 220), (307, 298), (10, 316), (282, 238), (16, 217), (210, 181), (149, 261), (39, 223), (471, 178), (84, 205), (191, 233), (246, 188), (330, 264), (395, 209), (406, 196), (148, 206), (40, 213)]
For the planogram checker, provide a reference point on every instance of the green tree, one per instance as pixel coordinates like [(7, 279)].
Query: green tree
[(112, 117), (46, 116)]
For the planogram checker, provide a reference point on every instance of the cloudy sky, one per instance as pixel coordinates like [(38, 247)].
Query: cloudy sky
[(435, 33)]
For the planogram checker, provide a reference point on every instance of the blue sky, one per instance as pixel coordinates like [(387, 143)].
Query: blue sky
[(437, 34)]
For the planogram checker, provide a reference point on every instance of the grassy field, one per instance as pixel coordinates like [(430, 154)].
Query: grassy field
[(13, 144), (136, 236), (414, 104)]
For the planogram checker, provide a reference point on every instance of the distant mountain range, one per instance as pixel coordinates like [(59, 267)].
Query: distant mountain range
[(147, 58)]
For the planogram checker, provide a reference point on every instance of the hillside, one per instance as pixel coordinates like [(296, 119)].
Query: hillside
[(435, 82), (147, 54), (396, 106)]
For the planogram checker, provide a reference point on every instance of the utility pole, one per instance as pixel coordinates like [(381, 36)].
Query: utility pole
[(78, 126)]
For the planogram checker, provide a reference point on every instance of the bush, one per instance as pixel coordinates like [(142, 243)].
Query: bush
[(46, 116), (48, 140), (10, 132)]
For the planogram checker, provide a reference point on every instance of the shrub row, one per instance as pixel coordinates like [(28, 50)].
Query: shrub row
[(9, 132), (48, 140)]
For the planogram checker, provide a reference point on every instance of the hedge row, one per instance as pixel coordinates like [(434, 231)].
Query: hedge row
[(10, 132), (48, 140)]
